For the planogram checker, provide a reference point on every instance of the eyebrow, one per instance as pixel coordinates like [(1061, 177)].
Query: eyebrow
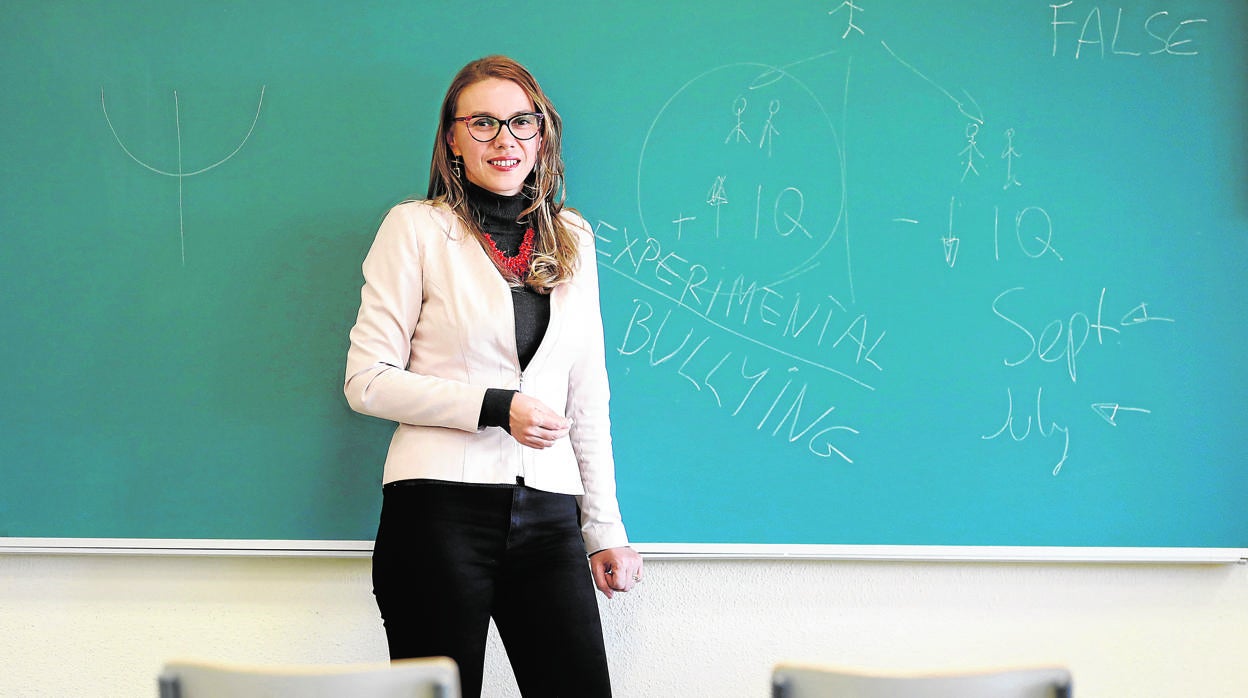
[(500, 118)]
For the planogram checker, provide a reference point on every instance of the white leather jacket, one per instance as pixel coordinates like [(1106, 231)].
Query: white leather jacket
[(436, 328)]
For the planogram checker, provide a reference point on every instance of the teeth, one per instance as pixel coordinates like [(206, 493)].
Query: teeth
[(506, 163)]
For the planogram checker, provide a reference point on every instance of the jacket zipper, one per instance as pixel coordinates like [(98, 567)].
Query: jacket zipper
[(523, 451)]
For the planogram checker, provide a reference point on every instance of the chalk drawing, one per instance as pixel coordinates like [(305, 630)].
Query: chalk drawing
[(181, 173)]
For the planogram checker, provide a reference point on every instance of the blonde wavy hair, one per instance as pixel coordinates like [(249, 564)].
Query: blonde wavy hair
[(555, 245)]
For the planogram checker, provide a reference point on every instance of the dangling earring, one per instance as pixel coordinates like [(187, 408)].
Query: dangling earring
[(531, 182), (455, 167)]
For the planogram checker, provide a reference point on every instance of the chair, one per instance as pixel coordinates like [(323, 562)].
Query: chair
[(794, 681), (434, 677)]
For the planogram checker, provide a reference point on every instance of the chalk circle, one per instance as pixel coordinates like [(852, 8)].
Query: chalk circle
[(742, 172)]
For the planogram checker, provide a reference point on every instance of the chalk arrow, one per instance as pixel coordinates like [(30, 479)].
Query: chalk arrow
[(969, 108), (951, 250), (1139, 315), (1109, 411)]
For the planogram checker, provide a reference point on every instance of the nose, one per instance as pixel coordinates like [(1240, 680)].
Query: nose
[(505, 139)]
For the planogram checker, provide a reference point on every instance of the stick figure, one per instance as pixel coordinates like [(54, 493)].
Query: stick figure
[(849, 5), (769, 129), (1009, 156), (971, 151), (738, 107)]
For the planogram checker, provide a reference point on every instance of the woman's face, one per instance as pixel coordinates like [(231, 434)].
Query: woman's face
[(501, 165)]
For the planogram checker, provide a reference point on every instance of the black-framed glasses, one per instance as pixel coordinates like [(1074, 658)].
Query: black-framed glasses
[(484, 128)]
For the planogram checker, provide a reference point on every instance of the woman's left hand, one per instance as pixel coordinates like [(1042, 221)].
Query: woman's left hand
[(615, 569)]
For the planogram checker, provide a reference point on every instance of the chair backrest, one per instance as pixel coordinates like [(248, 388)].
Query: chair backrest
[(795, 681), (434, 677)]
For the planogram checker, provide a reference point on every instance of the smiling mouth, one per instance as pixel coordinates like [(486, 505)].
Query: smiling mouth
[(505, 163)]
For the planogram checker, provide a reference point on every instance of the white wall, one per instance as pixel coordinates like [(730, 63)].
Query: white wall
[(101, 625)]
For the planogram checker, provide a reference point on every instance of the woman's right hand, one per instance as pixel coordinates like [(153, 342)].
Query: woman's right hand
[(534, 424)]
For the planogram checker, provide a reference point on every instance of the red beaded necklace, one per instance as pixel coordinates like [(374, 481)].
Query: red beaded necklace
[(518, 265)]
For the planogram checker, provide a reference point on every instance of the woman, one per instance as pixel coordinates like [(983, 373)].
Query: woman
[(480, 333)]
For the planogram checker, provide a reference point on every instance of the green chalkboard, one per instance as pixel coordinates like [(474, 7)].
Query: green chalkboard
[(880, 272)]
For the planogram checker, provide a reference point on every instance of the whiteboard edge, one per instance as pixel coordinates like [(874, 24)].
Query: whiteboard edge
[(948, 553), (661, 551)]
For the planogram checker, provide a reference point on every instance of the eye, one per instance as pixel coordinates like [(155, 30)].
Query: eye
[(524, 120), (484, 123)]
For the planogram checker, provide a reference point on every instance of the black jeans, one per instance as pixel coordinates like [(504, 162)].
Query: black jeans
[(449, 556)]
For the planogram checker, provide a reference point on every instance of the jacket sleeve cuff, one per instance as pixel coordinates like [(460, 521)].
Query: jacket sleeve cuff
[(496, 408), (601, 536)]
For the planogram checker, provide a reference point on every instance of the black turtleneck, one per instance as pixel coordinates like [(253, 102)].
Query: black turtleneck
[(497, 216)]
